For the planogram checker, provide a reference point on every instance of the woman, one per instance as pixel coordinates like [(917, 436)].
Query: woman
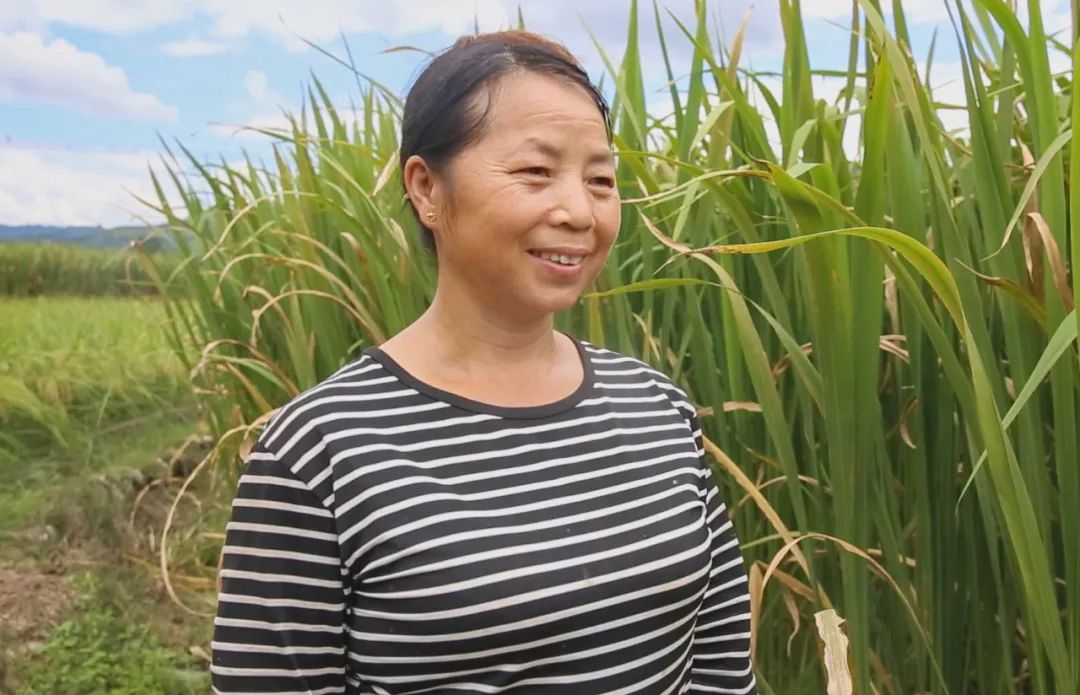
[(483, 504)]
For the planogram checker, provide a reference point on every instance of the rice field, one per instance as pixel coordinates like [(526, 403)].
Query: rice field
[(92, 396), (79, 375), (49, 269), (881, 342), (74, 366)]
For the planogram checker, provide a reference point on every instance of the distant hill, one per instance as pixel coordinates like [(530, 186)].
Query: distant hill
[(111, 238)]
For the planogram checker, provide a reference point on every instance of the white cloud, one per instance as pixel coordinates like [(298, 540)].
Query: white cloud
[(316, 20), (277, 122), (1059, 25), (112, 16), (57, 72), (258, 89), (920, 11), (60, 186), (193, 47), (325, 20), (826, 9), (266, 102), (250, 129), (263, 99)]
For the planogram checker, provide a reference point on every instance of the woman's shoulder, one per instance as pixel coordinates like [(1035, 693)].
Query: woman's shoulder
[(359, 386), (612, 366)]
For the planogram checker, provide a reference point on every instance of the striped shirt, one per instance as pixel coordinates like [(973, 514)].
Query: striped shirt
[(388, 537)]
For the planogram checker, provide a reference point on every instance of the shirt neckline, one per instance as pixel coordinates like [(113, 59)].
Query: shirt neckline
[(584, 389)]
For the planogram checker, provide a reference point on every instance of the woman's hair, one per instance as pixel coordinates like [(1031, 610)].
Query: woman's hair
[(443, 114)]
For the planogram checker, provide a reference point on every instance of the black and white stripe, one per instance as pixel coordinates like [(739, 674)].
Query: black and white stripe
[(388, 538)]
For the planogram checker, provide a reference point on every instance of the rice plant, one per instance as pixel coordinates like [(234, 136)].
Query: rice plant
[(36, 269), (882, 343), (70, 366)]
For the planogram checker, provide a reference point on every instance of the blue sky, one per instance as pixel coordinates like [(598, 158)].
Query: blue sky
[(87, 87)]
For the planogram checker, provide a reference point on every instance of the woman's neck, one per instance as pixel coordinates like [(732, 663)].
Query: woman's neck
[(466, 335)]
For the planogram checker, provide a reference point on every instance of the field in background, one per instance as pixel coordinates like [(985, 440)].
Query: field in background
[(31, 269), (882, 343), (96, 412), (70, 366)]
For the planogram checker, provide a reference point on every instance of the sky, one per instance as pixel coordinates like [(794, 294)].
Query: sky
[(90, 89)]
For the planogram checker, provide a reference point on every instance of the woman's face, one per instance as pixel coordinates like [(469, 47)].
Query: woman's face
[(528, 213)]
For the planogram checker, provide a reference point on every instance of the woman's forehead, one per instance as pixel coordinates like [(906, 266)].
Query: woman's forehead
[(532, 102), (549, 137), (530, 88)]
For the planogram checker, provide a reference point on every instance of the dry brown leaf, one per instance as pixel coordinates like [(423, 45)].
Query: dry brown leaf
[(1053, 257), (796, 620), (891, 344), (834, 652), (163, 555), (784, 362), (892, 299), (755, 588), (761, 485), (858, 552), (746, 406), (1033, 256), (384, 175), (767, 509), (905, 434), (199, 653)]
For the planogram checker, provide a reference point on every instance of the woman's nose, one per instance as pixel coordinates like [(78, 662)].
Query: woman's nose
[(574, 207)]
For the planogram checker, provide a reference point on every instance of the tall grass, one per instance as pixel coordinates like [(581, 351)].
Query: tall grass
[(882, 342), (70, 366), (36, 269)]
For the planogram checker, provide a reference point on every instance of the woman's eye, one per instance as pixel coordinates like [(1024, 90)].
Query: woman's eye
[(605, 181), (534, 171)]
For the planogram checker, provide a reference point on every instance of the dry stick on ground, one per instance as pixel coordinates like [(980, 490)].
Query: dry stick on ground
[(164, 554)]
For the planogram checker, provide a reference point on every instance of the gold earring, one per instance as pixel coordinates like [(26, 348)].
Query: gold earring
[(429, 216)]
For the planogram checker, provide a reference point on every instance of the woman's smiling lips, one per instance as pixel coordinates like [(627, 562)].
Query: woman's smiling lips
[(566, 261)]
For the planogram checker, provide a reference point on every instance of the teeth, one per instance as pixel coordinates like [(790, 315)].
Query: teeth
[(557, 258)]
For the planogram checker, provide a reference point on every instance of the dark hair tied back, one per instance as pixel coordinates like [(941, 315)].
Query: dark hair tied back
[(441, 118)]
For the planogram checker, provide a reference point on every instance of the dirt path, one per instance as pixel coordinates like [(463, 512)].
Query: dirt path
[(32, 601)]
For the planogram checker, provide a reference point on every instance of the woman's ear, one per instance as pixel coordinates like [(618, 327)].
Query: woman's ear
[(424, 189)]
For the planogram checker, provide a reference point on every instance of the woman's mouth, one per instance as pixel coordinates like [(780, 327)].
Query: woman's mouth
[(559, 265), (558, 258)]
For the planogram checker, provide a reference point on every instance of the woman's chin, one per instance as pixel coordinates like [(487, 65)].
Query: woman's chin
[(550, 303)]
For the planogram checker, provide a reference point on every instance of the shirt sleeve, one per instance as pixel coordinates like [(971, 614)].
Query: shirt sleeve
[(280, 624), (721, 648)]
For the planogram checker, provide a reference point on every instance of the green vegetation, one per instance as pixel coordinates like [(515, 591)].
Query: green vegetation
[(883, 343), (93, 403), (88, 387), (71, 365), (33, 269), (84, 488), (99, 652)]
